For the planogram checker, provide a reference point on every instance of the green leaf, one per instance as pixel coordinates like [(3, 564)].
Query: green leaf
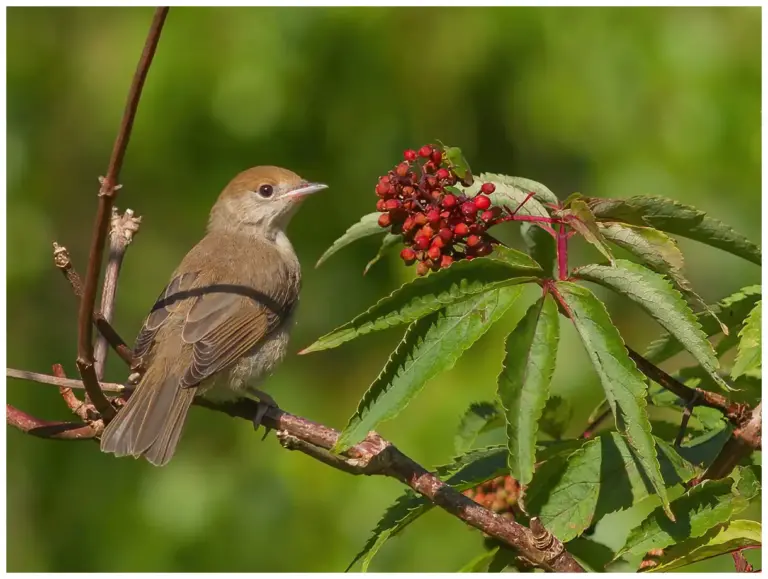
[(480, 417), (425, 295), (657, 297), (732, 310), (675, 217), (541, 193), (556, 417), (541, 246), (367, 226), (580, 218), (430, 346), (390, 240), (480, 563), (601, 477), (623, 383), (523, 385), (750, 343), (717, 541), (508, 194), (701, 508), (466, 471)]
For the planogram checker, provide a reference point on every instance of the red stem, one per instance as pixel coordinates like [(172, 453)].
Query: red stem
[(562, 252)]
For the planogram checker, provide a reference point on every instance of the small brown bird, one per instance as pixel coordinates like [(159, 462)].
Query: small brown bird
[(222, 323)]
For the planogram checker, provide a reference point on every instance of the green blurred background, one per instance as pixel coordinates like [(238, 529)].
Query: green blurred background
[(608, 102)]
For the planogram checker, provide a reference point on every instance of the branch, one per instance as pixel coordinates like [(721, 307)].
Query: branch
[(742, 442), (44, 429), (107, 193), (59, 381), (121, 234)]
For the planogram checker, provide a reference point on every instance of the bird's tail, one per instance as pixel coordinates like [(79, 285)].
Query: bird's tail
[(151, 422)]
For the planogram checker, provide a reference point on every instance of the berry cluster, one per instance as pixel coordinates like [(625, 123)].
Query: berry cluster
[(499, 495), (438, 222)]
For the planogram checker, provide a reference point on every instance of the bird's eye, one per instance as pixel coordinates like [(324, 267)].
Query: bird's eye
[(266, 191)]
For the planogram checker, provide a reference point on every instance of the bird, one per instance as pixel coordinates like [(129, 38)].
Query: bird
[(222, 324)]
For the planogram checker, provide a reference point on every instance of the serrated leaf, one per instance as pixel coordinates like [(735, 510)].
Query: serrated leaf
[(541, 193), (465, 471), (717, 541), (556, 417), (425, 295), (701, 508), (678, 218), (601, 477), (523, 385), (430, 346), (367, 226), (508, 194), (479, 417), (748, 357), (731, 310), (541, 246), (665, 304), (580, 218), (390, 240), (623, 383), (659, 252), (480, 563)]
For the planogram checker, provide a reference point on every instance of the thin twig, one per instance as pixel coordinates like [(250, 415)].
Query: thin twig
[(107, 193), (45, 429), (57, 381), (589, 431), (123, 227)]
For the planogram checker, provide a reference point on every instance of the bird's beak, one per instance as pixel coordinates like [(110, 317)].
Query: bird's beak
[(306, 189)]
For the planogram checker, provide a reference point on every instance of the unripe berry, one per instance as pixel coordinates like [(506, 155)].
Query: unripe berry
[(422, 268), (385, 220), (450, 201), (425, 151), (381, 205), (433, 216), (445, 261), (445, 234), (468, 208), (408, 255), (437, 157), (421, 241), (443, 174), (473, 241), (410, 155), (461, 229), (434, 253), (392, 204), (482, 201), (402, 170), (486, 216), (488, 188)]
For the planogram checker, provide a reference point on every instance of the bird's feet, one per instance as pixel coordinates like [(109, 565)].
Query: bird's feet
[(264, 404)]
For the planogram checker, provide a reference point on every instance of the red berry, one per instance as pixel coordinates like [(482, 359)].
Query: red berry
[(408, 224), (449, 201), (410, 155), (483, 249), (432, 181), (438, 242), (421, 241), (420, 219), (392, 204), (402, 170), (488, 188), (433, 216), (408, 191), (385, 220), (461, 229), (381, 205), (482, 202), (408, 255), (445, 261), (473, 241), (434, 253), (422, 268), (443, 174), (382, 189), (427, 231), (445, 234), (425, 151), (468, 208), (486, 216), (437, 157)]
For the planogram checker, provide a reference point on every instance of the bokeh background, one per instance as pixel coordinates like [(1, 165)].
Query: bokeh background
[(607, 102)]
